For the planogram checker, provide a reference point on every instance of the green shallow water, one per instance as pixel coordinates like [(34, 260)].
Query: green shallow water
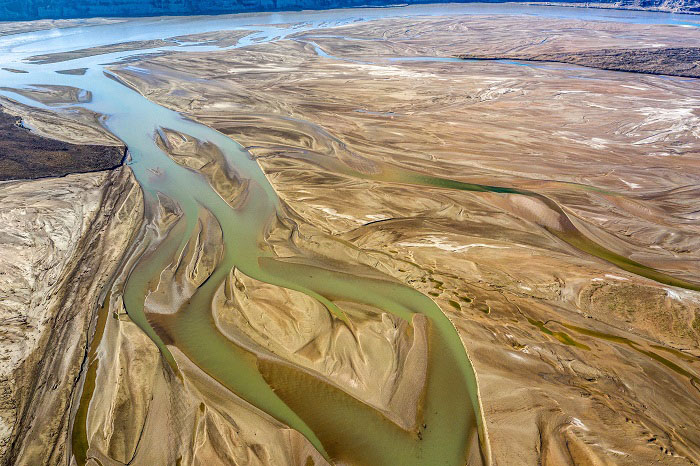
[(569, 233), (635, 346), (338, 425), (366, 436)]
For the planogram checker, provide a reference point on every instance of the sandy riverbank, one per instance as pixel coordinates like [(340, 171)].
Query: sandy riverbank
[(62, 241)]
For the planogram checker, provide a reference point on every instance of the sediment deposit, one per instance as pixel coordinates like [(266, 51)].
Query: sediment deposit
[(62, 241)]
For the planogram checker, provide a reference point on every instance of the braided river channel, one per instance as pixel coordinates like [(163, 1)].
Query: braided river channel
[(339, 426)]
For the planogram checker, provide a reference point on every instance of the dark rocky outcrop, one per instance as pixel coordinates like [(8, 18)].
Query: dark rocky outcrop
[(671, 61), (24, 155)]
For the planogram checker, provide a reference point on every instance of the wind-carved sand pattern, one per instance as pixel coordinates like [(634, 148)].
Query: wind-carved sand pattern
[(316, 258)]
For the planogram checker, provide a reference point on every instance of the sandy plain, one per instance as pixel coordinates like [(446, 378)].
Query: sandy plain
[(578, 361)]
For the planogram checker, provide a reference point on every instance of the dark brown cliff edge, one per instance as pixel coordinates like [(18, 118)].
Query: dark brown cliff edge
[(670, 61), (24, 155)]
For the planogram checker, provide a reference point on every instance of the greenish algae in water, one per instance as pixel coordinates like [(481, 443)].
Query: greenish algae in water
[(79, 440), (680, 354), (579, 241), (625, 341), (561, 336), (485, 308), (321, 405), (572, 236), (145, 270)]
